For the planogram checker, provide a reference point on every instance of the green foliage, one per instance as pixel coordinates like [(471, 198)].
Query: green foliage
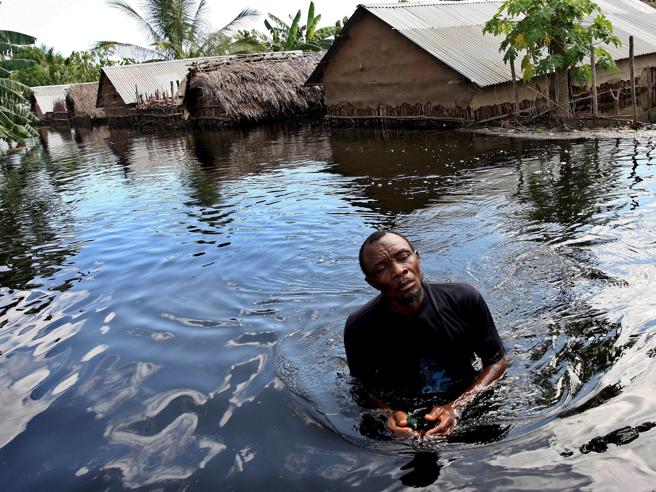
[(51, 68), (551, 35), (15, 114), (249, 42), (175, 29), (294, 36)]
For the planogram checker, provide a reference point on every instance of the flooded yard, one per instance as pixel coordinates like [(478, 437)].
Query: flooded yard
[(172, 307)]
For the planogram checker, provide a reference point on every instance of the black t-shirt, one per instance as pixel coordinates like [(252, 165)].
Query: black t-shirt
[(431, 351)]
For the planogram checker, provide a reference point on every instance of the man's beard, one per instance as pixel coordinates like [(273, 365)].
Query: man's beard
[(410, 299)]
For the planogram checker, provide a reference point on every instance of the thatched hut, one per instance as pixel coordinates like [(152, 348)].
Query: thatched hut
[(81, 104), (250, 89)]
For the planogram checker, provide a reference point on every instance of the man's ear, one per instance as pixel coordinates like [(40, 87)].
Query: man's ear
[(417, 253)]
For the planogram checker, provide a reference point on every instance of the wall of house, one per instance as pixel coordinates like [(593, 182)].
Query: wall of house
[(378, 72), (111, 100)]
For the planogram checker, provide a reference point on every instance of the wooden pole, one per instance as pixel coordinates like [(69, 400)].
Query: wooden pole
[(514, 84), (633, 87), (595, 102)]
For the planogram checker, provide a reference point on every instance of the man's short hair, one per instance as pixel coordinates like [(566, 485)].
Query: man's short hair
[(375, 236)]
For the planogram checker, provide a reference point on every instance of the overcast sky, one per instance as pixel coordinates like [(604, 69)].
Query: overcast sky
[(77, 24)]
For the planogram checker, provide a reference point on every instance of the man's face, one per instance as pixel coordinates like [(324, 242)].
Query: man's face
[(393, 268)]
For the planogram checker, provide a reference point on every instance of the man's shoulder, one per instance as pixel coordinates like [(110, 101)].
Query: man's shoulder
[(455, 294), (453, 288), (361, 316)]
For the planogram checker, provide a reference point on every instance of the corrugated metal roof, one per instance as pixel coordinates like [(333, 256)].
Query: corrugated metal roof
[(452, 33), (148, 77), (47, 95)]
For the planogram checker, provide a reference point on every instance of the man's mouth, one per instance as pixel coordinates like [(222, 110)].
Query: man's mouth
[(406, 286)]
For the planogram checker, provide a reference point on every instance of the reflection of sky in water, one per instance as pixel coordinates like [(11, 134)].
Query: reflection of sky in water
[(172, 290)]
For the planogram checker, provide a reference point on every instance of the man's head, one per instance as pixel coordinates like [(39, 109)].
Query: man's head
[(391, 265)]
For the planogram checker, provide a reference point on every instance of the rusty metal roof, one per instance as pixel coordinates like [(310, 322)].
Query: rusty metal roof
[(46, 96), (451, 31)]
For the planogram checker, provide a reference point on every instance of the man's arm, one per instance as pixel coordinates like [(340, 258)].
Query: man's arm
[(447, 414)]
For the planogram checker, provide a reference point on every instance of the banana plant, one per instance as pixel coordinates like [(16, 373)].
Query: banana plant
[(294, 36), (15, 114)]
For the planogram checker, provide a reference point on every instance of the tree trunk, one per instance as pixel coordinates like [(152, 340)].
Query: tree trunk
[(561, 92)]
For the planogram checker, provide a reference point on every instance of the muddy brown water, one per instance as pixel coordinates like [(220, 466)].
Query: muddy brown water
[(171, 307)]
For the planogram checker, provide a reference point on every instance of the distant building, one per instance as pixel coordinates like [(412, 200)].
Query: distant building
[(121, 87), (431, 62), (210, 91), (48, 100), (247, 89), (81, 104)]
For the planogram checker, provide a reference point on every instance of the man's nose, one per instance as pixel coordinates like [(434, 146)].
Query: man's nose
[(398, 268)]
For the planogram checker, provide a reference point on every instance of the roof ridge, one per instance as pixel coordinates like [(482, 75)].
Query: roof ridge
[(428, 3), (204, 59)]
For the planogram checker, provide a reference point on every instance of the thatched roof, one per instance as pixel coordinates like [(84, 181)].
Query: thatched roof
[(253, 88), (81, 101)]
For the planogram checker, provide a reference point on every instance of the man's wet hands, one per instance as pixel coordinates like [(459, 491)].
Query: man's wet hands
[(444, 419), (398, 423)]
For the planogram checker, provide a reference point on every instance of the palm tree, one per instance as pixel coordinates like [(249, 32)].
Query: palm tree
[(175, 29), (15, 114)]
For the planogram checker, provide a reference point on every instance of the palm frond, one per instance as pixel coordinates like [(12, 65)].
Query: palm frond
[(127, 50), (198, 24), (125, 7), (279, 24), (238, 21), (212, 44)]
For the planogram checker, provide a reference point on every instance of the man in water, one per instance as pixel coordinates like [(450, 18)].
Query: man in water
[(419, 339)]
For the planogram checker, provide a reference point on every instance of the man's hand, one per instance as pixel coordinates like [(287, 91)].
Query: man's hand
[(446, 418), (448, 414), (398, 423)]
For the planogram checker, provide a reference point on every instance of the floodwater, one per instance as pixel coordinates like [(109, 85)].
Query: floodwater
[(171, 307)]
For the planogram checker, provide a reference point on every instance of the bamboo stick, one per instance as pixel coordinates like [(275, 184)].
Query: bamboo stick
[(514, 84), (593, 71), (633, 87)]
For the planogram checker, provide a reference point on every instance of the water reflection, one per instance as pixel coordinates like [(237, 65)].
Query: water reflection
[(173, 312), (36, 225), (400, 172)]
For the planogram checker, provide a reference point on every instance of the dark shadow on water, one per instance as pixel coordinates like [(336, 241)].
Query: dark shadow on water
[(618, 437), (423, 470)]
